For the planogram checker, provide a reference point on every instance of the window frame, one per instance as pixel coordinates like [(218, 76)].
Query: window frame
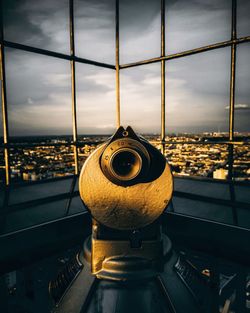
[(117, 67)]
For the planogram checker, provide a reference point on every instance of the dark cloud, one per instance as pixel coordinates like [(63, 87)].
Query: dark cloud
[(243, 21), (206, 74), (17, 26), (95, 30), (34, 76), (191, 24), (43, 24)]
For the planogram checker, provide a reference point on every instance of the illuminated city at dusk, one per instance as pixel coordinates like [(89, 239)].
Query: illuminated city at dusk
[(193, 158)]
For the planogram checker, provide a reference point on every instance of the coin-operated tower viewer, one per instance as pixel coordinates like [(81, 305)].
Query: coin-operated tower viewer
[(128, 265)]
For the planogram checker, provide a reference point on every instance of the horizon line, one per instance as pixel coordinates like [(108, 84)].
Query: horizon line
[(142, 133)]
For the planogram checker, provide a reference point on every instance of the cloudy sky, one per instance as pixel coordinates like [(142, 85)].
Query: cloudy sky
[(197, 87)]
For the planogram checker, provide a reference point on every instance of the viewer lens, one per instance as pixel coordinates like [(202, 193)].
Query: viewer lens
[(126, 164)]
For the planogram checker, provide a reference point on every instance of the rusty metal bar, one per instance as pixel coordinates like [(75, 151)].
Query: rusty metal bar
[(73, 83), (59, 55), (5, 117), (231, 109), (117, 65), (232, 89), (232, 78), (4, 101), (73, 96), (188, 52), (163, 79)]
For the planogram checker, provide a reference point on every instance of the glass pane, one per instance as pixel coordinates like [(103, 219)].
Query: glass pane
[(243, 21), (242, 193), (243, 217), (95, 30), (141, 98), (205, 210), (39, 94), (204, 187), (140, 30), (242, 91), (38, 163), (95, 100), (24, 193), (197, 94), (198, 160), (42, 24), (192, 24), (241, 166), (34, 215), (76, 206)]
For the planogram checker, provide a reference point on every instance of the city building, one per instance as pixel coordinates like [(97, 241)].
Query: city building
[(220, 173)]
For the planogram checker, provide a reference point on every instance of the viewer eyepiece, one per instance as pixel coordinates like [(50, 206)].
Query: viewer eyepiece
[(125, 164), (125, 161)]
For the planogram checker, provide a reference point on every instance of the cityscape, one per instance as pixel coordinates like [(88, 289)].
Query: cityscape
[(46, 157)]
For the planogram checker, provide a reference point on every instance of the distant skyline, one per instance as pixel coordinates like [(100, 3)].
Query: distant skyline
[(197, 87), (54, 136)]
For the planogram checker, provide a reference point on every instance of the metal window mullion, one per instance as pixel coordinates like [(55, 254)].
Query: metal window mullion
[(5, 117), (232, 78), (182, 54), (73, 85), (163, 79), (73, 101), (122, 66), (232, 89), (117, 64), (232, 110), (54, 54), (4, 101)]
